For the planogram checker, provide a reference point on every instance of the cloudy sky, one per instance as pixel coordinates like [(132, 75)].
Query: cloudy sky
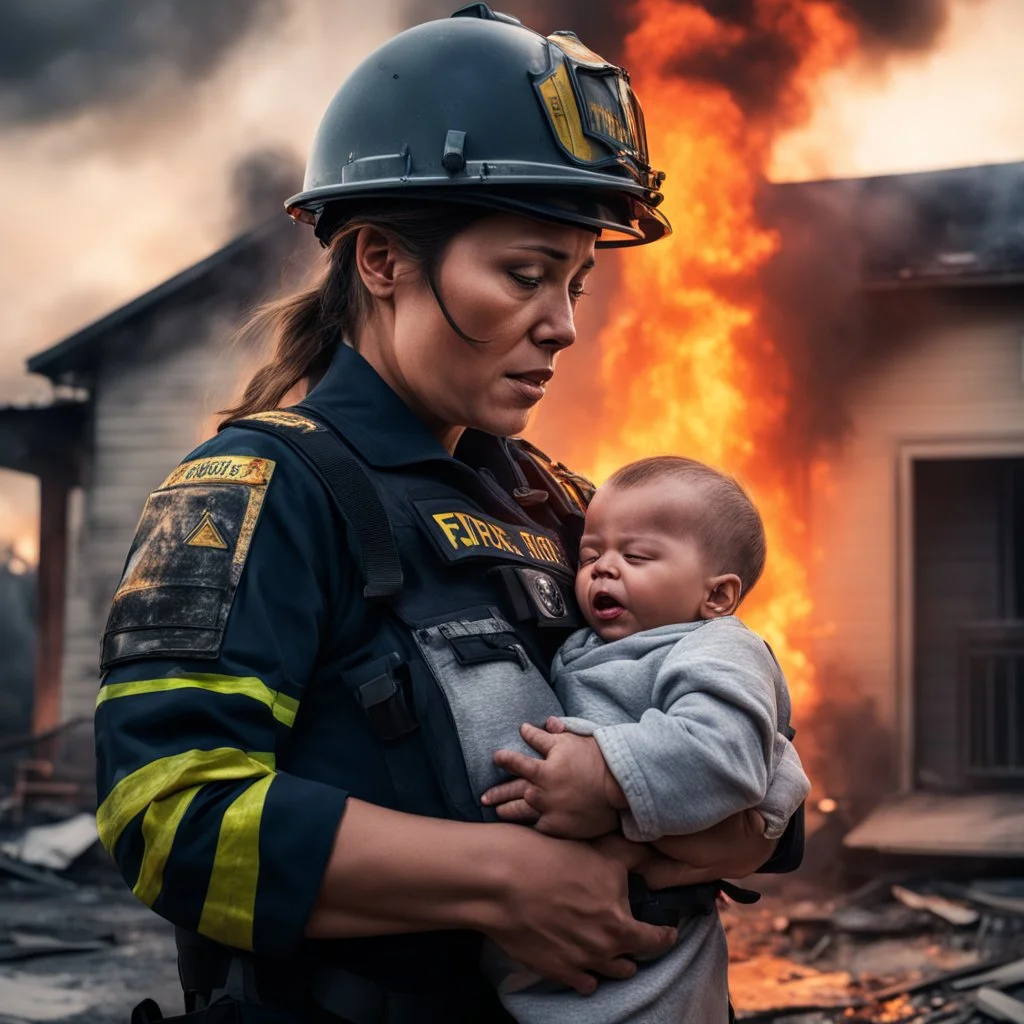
[(122, 124)]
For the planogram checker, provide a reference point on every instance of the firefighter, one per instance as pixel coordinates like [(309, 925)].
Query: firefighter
[(325, 603)]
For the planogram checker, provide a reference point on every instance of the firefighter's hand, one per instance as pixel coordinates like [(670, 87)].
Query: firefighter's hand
[(569, 786), (565, 912)]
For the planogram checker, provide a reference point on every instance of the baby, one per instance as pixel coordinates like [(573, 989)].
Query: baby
[(675, 717)]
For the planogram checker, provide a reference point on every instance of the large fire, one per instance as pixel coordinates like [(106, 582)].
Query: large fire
[(686, 365)]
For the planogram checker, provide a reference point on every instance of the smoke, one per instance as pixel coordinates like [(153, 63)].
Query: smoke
[(758, 62), (901, 26), (260, 180), (601, 24), (757, 65), (57, 59)]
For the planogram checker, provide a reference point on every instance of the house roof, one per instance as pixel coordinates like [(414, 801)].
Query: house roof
[(963, 226), (932, 229), (77, 351), (41, 438)]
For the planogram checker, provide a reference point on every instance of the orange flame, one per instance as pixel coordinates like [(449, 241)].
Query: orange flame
[(686, 366)]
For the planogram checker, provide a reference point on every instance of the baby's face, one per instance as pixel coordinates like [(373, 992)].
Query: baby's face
[(639, 565)]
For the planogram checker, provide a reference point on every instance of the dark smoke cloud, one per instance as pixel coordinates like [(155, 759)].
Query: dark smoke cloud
[(261, 180), (900, 25), (758, 66), (601, 24), (895, 232), (59, 57)]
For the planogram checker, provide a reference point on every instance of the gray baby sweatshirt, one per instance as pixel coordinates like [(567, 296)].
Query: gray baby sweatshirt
[(687, 718)]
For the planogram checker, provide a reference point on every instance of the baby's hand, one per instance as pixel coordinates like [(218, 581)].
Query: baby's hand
[(508, 801), (570, 791)]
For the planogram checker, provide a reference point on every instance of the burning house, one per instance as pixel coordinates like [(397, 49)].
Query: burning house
[(132, 392), (895, 593)]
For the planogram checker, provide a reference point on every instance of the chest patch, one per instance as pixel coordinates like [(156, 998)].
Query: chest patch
[(459, 533)]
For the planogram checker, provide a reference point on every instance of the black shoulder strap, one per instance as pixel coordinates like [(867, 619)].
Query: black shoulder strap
[(571, 487), (348, 482)]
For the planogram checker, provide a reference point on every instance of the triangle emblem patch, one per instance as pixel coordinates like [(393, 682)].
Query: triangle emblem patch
[(206, 535)]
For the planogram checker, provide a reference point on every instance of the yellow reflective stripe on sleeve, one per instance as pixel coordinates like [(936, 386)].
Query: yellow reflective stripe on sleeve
[(159, 827), (169, 775), (230, 904), (281, 705)]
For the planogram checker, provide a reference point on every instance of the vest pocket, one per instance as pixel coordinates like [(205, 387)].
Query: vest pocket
[(490, 687)]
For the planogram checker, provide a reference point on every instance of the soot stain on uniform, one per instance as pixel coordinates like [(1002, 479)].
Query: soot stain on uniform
[(187, 557)]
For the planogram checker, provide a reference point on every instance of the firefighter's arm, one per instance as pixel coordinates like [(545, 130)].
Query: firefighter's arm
[(211, 641)]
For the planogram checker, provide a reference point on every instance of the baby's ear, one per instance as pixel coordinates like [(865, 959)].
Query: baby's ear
[(723, 596)]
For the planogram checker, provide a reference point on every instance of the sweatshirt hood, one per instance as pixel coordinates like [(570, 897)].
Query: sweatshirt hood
[(585, 648)]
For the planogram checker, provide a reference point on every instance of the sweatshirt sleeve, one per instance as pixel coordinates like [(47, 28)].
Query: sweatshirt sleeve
[(705, 750), (787, 789), (213, 635)]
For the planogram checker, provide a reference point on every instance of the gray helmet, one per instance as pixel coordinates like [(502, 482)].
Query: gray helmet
[(478, 109)]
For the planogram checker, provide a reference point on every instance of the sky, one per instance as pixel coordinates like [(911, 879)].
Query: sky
[(108, 197)]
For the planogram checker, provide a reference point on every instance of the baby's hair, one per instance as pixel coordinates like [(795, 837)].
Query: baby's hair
[(728, 526)]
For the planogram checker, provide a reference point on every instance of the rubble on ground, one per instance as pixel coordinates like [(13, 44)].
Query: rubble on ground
[(77, 948), (906, 951)]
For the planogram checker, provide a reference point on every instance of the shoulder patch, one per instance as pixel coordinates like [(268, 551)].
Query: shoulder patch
[(228, 469), (283, 418), (184, 565)]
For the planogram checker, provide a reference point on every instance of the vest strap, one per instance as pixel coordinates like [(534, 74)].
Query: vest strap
[(354, 494)]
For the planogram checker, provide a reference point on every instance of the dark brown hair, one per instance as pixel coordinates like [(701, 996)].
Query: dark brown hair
[(307, 327), (727, 525)]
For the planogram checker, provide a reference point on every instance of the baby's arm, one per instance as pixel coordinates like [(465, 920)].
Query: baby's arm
[(706, 750)]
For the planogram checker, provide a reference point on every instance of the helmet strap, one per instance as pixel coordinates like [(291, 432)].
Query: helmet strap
[(444, 310)]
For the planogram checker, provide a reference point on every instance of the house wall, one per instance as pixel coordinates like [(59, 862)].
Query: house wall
[(150, 409), (947, 380), (155, 394)]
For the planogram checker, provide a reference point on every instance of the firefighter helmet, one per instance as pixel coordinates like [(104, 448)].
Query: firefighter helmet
[(478, 109)]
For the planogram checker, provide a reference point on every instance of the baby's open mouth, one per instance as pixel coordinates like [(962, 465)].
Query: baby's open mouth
[(607, 607)]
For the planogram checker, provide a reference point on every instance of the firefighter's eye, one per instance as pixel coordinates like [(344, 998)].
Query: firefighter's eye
[(525, 280)]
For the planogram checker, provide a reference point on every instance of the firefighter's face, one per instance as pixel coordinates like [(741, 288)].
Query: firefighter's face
[(509, 283)]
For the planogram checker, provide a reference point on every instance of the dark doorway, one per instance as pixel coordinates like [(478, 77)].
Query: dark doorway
[(969, 623)]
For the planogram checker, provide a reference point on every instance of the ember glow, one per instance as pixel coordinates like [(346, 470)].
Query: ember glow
[(687, 367)]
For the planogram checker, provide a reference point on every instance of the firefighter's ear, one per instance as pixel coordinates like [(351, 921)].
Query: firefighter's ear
[(722, 596), (377, 261)]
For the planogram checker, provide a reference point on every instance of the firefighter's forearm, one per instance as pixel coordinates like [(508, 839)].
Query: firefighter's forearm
[(391, 872)]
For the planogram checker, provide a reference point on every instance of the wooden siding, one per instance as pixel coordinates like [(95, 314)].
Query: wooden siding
[(950, 386), (150, 410)]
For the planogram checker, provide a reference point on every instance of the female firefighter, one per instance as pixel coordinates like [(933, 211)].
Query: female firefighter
[(324, 601)]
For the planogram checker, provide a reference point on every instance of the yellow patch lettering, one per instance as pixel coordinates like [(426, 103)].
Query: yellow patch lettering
[(470, 540), (484, 533), (450, 528), (528, 540), (235, 469), (504, 541)]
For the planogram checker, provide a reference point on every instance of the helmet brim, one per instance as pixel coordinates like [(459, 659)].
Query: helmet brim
[(618, 218)]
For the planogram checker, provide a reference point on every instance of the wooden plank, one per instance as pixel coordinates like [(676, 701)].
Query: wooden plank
[(51, 575), (975, 824)]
